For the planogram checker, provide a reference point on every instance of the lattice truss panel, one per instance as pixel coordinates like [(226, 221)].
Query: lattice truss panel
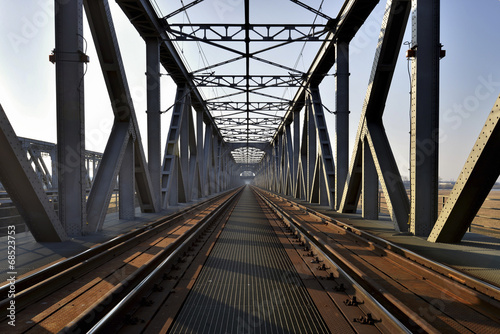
[(247, 65)]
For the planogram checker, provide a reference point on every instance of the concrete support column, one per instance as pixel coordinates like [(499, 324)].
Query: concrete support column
[(153, 110), (70, 114), (369, 184), (341, 119), (126, 183), (424, 116)]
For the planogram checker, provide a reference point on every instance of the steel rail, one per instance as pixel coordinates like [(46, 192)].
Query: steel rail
[(476, 284), (437, 273), (112, 319), (50, 279), (374, 306)]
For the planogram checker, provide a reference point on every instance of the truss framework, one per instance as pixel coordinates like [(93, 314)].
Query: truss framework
[(371, 132), (247, 129), (247, 95), (212, 32)]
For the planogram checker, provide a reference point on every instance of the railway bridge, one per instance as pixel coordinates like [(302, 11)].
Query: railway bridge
[(239, 209)]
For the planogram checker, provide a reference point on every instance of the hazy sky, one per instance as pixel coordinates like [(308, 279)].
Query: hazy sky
[(470, 73)]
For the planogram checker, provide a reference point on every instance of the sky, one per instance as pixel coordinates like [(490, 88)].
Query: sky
[(470, 72)]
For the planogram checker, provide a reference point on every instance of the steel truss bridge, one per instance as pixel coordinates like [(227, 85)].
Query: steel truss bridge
[(233, 115)]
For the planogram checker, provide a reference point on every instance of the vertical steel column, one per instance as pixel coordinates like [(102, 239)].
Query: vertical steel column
[(296, 152), (70, 114), (341, 119), (289, 174), (279, 163), (205, 168), (184, 150), (153, 110), (201, 154), (126, 183), (311, 148), (53, 162), (276, 181), (424, 116), (369, 184), (94, 169), (218, 165)]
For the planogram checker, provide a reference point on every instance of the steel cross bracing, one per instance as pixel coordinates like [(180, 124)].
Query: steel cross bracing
[(247, 106)]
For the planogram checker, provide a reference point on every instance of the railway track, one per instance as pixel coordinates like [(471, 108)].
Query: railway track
[(250, 281), (425, 296), (140, 282), (75, 294)]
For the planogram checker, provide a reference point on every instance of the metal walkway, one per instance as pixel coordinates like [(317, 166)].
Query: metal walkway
[(248, 283)]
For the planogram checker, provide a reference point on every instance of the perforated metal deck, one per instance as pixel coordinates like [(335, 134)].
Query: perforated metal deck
[(248, 284)]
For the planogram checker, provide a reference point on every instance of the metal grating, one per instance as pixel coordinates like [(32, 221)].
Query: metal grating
[(248, 284)]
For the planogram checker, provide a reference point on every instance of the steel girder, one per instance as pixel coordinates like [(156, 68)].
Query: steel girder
[(234, 106), (310, 174), (124, 144), (314, 179), (37, 149), (212, 32), (25, 189), (479, 174), (194, 165), (144, 18), (424, 139), (341, 119), (35, 154), (69, 59), (371, 130), (323, 170), (351, 17), (240, 81), (154, 115), (174, 189)]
